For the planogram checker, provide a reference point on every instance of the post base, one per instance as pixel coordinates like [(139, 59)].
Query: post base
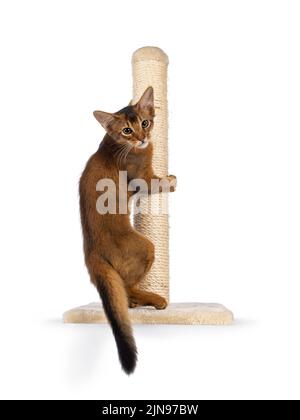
[(175, 313)]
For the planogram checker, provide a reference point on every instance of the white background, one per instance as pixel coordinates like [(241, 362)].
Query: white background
[(234, 99)]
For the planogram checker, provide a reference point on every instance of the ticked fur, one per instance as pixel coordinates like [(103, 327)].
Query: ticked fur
[(117, 256)]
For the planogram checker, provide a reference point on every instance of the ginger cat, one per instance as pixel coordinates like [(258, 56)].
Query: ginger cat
[(116, 255)]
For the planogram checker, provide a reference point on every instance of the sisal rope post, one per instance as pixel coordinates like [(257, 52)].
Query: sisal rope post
[(149, 67)]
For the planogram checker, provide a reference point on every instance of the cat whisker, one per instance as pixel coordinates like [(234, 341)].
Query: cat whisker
[(119, 152), (129, 150), (122, 153), (125, 153)]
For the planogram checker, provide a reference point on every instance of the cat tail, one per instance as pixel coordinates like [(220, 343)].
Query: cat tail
[(115, 303)]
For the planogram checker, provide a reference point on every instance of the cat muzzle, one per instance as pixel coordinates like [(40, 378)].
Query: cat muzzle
[(143, 144)]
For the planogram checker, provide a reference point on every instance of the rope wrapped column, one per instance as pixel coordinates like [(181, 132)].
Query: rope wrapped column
[(150, 66)]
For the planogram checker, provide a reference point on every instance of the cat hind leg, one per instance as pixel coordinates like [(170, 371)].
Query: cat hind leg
[(137, 297)]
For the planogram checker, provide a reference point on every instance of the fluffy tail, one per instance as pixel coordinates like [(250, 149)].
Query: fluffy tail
[(114, 298)]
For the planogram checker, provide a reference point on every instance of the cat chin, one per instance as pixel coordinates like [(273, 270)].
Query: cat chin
[(143, 145)]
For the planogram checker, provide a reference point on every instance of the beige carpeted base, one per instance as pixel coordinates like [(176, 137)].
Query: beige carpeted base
[(175, 313)]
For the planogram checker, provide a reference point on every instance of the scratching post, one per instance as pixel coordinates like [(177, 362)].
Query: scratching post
[(149, 67)]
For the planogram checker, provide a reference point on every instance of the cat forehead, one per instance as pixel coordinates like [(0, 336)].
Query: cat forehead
[(129, 113)]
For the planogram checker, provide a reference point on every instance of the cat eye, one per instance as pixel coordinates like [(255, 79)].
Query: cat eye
[(127, 131), (145, 123)]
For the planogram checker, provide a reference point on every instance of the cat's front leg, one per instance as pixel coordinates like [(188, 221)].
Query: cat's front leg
[(164, 184), (172, 181), (153, 185)]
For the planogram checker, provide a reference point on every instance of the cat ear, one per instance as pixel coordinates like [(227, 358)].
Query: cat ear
[(104, 118), (147, 99)]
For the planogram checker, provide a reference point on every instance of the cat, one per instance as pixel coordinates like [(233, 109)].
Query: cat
[(116, 255)]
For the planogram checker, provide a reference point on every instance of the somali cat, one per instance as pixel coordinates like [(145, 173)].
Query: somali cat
[(117, 256)]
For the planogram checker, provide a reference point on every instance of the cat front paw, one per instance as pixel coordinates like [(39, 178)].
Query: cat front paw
[(172, 181)]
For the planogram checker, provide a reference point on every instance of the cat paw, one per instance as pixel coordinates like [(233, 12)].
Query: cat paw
[(161, 303), (133, 304), (173, 182)]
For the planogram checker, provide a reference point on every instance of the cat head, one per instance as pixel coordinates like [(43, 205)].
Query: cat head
[(131, 125)]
